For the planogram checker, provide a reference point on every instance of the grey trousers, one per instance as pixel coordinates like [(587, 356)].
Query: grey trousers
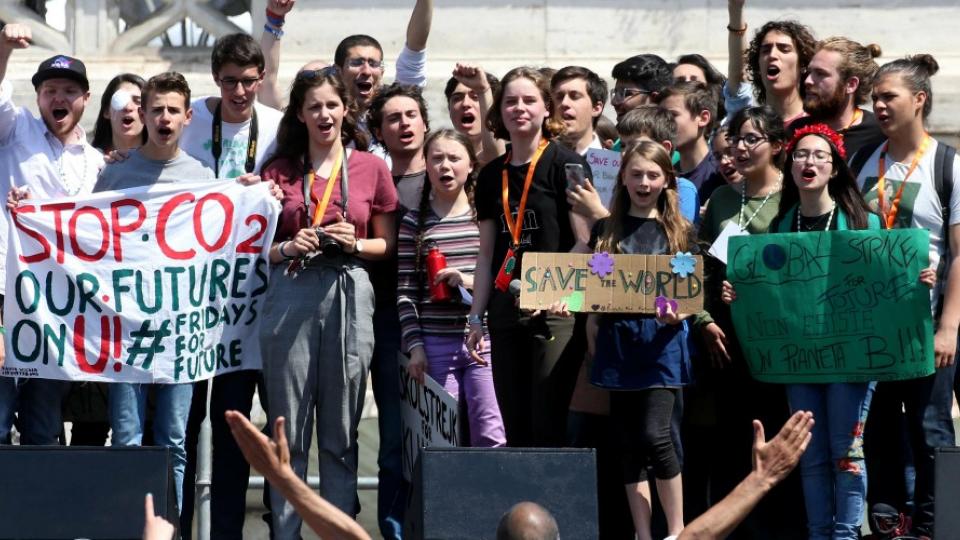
[(317, 342)]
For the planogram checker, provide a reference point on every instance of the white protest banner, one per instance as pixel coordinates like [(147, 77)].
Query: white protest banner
[(428, 414), (157, 284), (605, 164)]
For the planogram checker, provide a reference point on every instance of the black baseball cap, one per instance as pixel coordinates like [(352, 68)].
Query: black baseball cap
[(61, 67)]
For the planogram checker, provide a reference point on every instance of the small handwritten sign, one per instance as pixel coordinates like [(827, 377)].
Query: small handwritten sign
[(599, 282), (843, 306), (604, 164), (428, 415)]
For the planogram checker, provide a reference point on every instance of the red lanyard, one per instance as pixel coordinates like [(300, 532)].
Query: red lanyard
[(515, 225), (890, 216)]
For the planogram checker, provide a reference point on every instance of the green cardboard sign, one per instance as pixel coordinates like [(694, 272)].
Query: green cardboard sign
[(841, 306)]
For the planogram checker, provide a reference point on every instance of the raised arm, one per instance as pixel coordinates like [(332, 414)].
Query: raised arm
[(270, 93), (772, 461), (412, 62), (736, 43), (418, 29), (474, 78), (272, 459), (12, 36)]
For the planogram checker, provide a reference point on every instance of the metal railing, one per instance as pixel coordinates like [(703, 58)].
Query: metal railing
[(363, 482)]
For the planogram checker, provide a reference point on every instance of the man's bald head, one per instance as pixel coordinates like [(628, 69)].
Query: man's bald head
[(527, 521)]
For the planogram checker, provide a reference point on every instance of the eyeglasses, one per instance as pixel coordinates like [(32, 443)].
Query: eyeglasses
[(310, 74), (720, 155), (622, 94), (749, 140), (359, 61), (248, 83), (815, 157)]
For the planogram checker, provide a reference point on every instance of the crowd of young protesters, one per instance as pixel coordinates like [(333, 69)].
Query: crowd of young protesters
[(783, 142)]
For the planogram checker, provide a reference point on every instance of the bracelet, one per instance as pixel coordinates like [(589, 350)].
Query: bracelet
[(275, 18), (3, 330), (474, 319), (738, 31), (277, 33), (282, 252)]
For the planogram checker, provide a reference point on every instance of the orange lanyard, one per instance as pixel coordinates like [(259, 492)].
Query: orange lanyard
[(856, 116), (514, 225), (890, 216), (321, 207)]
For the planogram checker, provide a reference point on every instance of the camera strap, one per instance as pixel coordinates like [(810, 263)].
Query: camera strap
[(217, 142), (320, 206)]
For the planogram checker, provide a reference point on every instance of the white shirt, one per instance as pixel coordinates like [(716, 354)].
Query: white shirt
[(920, 204), (32, 157), (197, 138)]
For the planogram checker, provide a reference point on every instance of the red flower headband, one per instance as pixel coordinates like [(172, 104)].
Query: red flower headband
[(819, 129)]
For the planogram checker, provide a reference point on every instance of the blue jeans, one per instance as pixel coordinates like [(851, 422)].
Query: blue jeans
[(128, 403), (37, 402), (833, 469), (385, 370)]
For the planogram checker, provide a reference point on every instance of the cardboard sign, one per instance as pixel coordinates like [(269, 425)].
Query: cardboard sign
[(842, 306), (160, 284), (605, 164), (599, 282), (428, 414)]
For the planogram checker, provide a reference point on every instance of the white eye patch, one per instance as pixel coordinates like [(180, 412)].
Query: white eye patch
[(120, 100)]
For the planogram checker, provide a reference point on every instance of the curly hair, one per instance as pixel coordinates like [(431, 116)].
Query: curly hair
[(396, 90), (803, 41)]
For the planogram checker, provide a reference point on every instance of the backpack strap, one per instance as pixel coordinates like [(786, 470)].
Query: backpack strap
[(858, 160), (943, 181)]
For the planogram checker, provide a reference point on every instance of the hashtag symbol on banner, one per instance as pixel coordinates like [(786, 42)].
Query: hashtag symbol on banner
[(155, 345)]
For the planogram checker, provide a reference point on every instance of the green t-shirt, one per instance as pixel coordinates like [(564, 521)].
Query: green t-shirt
[(724, 207)]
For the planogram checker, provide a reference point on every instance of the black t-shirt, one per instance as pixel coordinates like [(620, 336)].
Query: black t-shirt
[(642, 236), (866, 134), (546, 220), (706, 176), (808, 224)]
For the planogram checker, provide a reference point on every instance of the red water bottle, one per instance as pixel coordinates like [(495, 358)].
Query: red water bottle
[(439, 292)]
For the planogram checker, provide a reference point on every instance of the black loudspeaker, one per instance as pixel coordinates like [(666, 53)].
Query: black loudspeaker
[(946, 493), (83, 492), (461, 493)]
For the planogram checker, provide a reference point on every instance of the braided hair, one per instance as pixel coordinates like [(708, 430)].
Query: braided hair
[(424, 208)]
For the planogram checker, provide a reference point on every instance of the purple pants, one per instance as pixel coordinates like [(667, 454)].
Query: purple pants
[(450, 364)]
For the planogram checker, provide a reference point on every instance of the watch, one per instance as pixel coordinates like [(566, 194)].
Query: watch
[(358, 246)]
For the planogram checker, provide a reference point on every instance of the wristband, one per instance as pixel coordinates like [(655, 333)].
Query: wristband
[(277, 33), (282, 252), (474, 319), (738, 31), (3, 330), (275, 18)]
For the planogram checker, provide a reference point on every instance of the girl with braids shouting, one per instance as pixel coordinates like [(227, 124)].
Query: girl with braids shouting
[(434, 331)]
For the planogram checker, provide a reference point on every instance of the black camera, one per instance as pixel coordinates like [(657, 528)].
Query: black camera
[(328, 246)]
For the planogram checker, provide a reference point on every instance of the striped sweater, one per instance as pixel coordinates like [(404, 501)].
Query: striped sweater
[(459, 241)]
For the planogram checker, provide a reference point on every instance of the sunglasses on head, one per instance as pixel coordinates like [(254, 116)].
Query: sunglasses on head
[(310, 74)]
